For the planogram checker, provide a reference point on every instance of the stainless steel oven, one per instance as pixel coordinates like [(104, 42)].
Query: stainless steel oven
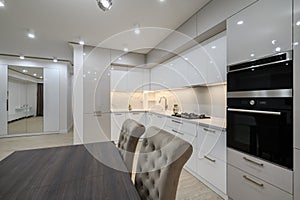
[(260, 108), (262, 127)]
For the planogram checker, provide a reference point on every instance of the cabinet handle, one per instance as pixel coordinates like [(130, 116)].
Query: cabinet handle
[(254, 162), (158, 116), (211, 160), (98, 113), (252, 181), (135, 113), (118, 114), (209, 130), (177, 122), (177, 132)]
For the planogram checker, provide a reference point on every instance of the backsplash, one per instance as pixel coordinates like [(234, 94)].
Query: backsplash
[(209, 100)]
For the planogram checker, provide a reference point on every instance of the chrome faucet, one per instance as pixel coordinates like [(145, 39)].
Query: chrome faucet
[(166, 102)]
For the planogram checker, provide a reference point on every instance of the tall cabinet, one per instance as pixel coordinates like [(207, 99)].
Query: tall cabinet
[(296, 99)]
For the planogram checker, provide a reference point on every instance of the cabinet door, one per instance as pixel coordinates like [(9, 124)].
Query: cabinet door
[(135, 79), (297, 174), (137, 116), (297, 71), (117, 120), (259, 30), (160, 78), (119, 79), (158, 121), (96, 127)]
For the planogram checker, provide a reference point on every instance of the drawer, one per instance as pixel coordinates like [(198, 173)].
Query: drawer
[(213, 170), (277, 176), (182, 126), (211, 143), (157, 121), (243, 186), (187, 137)]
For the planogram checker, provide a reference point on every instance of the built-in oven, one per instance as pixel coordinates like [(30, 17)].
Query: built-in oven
[(271, 73), (262, 127), (260, 108)]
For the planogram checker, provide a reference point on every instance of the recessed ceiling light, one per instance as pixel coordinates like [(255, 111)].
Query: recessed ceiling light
[(186, 58), (84, 54), (278, 49), (81, 42), (126, 49), (2, 3), (274, 42), (104, 4), (34, 74), (213, 47), (24, 70), (55, 60), (240, 22), (41, 77), (22, 57), (296, 43), (137, 31), (161, 0), (120, 58), (298, 23), (31, 35), (252, 55)]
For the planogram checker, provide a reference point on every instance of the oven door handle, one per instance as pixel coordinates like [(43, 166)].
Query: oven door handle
[(254, 111)]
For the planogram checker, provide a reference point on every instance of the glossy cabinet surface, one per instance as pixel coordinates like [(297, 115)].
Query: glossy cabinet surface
[(262, 29), (297, 72), (242, 185), (117, 120)]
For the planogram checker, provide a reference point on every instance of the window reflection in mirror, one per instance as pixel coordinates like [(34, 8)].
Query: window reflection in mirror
[(25, 100)]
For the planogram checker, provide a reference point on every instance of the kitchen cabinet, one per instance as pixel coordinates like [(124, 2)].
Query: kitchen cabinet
[(297, 174), (129, 79), (262, 29), (156, 120), (242, 185), (117, 120), (278, 176), (189, 28), (296, 73), (138, 116)]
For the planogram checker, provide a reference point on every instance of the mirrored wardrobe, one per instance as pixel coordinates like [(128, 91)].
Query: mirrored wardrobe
[(25, 100)]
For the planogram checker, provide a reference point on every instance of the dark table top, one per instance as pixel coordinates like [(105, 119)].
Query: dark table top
[(93, 171)]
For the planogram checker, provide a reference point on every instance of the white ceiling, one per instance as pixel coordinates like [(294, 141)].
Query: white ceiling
[(56, 22)]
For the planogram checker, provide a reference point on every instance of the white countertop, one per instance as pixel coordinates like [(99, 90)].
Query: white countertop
[(213, 122)]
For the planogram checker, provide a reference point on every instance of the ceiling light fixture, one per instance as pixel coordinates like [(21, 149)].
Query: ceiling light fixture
[(22, 57), (24, 70), (252, 55), (278, 49), (161, 0), (213, 47), (120, 58), (126, 49), (240, 22), (105, 5), (2, 3), (55, 60), (81, 42), (274, 42), (298, 23), (41, 77), (296, 43), (34, 74), (30, 34)]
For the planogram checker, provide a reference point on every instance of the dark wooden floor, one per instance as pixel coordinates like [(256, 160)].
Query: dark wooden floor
[(66, 173)]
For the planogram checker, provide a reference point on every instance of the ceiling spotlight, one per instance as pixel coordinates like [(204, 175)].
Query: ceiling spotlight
[(105, 5), (30, 34), (298, 23), (41, 77), (55, 60), (120, 58), (240, 22), (22, 57), (161, 0), (278, 49), (252, 55), (2, 3), (274, 42), (24, 70), (126, 49), (34, 74), (296, 43), (213, 47), (81, 42), (137, 31)]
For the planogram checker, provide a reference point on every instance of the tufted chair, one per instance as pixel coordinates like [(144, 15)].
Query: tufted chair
[(161, 159), (130, 133)]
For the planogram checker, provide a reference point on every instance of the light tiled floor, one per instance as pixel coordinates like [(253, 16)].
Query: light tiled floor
[(189, 187)]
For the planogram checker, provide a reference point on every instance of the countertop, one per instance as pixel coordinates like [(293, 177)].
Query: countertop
[(213, 122)]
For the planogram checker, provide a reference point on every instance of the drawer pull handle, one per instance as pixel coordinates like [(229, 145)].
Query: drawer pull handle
[(176, 122), (177, 132), (158, 116), (211, 160), (252, 181), (118, 114), (135, 113), (209, 130), (251, 161)]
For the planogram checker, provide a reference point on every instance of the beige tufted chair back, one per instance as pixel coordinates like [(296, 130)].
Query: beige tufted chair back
[(130, 133), (161, 159)]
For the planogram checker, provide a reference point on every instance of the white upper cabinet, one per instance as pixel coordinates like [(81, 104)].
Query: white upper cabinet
[(119, 79), (262, 29), (189, 28)]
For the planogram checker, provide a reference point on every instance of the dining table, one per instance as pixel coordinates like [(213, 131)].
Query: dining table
[(86, 171)]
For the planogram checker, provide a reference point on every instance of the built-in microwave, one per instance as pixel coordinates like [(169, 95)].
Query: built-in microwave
[(271, 73)]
